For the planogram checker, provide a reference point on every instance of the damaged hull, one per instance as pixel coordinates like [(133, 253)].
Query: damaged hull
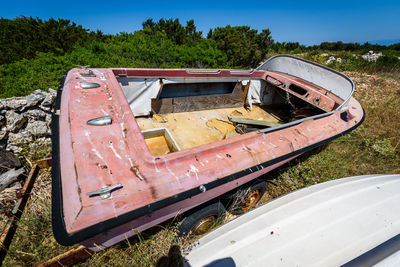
[(111, 177)]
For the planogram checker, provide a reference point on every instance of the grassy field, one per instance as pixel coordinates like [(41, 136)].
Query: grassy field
[(374, 147)]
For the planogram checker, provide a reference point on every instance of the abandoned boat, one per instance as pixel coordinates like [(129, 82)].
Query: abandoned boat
[(134, 147)]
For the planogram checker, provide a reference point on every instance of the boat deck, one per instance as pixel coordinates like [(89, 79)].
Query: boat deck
[(191, 129)]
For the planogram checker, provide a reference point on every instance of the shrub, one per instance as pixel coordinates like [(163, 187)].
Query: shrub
[(131, 50), (387, 64), (23, 37)]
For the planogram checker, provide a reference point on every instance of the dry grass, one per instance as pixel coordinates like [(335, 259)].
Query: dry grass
[(34, 241), (8, 197), (372, 148)]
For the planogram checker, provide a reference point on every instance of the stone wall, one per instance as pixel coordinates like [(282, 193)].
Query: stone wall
[(26, 120)]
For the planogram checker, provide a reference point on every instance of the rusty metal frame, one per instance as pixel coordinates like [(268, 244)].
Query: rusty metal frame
[(11, 226), (66, 259)]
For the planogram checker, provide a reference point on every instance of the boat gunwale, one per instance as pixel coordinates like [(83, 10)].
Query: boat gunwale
[(345, 101), (259, 75)]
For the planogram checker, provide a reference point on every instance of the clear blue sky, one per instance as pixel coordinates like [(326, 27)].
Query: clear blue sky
[(308, 22)]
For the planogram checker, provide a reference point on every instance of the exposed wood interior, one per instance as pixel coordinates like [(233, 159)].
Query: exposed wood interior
[(159, 141), (195, 128), (186, 115), (158, 145)]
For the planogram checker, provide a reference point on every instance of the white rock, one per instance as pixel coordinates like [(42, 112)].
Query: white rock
[(37, 128), (50, 97), (15, 121), (43, 141), (48, 120), (16, 140), (330, 60), (46, 141), (2, 120), (8, 160), (47, 109), (16, 103), (3, 134), (371, 56), (19, 138), (34, 98), (35, 114), (14, 148), (339, 60)]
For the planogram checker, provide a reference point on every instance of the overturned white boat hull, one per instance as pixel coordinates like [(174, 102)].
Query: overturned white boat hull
[(353, 221)]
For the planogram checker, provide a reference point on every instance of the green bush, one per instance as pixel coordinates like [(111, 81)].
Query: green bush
[(244, 47), (125, 50), (23, 37), (387, 64), (35, 53)]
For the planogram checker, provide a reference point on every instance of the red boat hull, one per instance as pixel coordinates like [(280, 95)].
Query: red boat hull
[(156, 188)]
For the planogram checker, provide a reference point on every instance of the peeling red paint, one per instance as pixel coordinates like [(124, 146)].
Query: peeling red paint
[(117, 153)]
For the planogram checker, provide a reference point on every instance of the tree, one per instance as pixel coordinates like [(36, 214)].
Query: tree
[(244, 46), (24, 37), (191, 34), (174, 30)]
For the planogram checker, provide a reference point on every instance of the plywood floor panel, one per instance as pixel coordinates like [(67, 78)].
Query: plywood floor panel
[(191, 129)]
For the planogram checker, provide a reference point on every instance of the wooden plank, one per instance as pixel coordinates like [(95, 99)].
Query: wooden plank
[(191, 129), (43, 163), (10, 177), (68, 258), (246, 91)]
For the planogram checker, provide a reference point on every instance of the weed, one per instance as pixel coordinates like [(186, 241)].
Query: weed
[(385, 148)]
